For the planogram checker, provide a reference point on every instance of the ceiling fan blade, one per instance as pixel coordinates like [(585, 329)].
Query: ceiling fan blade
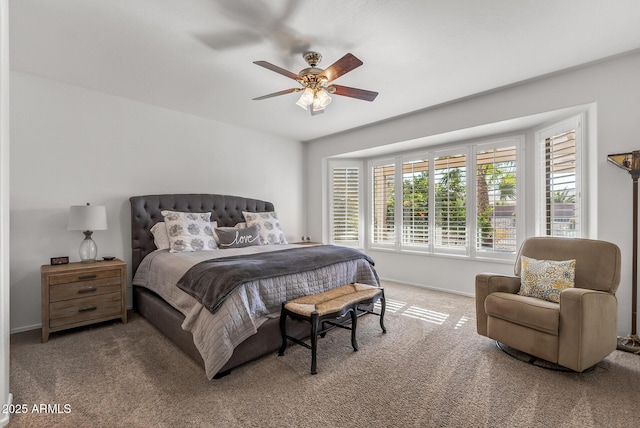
[(277, 69), (229, 40), (340, 67), (275, 94), (360, 94)]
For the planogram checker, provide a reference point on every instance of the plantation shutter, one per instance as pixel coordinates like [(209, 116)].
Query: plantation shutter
[(562, 210), (450, 175), (384, 204), (496, 199), (415, 203), (345, 205)]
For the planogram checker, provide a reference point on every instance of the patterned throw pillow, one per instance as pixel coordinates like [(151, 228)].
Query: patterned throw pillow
[(189, 231), (268, 227), (231, 237), (545, 279)]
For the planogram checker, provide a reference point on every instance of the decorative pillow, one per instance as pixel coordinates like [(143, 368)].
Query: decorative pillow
[(268, 227), (189, 231), (545, 279), (160, 237), (230, 237), (214, 224)]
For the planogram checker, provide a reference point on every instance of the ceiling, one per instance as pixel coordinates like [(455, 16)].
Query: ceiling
[(196, 56)]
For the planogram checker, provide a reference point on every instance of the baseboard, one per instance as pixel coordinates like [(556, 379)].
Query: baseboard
[(444, 290), (5, 417), (25, 328)]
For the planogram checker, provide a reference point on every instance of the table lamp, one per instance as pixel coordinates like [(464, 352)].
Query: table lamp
[(87, 218)]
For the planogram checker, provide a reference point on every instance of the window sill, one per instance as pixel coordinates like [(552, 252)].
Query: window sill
[(462, 257)]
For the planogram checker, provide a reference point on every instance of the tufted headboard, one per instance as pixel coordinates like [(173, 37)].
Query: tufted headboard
[(145, 212)]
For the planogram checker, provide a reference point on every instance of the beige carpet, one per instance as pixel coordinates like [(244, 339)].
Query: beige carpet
[(430, 370)]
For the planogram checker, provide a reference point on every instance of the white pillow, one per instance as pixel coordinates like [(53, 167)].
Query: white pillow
[(160, 237), (189, 231), (268, 227)]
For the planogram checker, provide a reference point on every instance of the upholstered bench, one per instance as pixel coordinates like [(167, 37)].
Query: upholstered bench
[(331, 307)]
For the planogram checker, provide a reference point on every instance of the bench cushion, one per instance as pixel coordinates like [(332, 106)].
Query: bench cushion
[(332, 300)]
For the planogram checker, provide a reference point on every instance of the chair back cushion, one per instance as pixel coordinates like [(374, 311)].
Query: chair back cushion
[(597, 262)]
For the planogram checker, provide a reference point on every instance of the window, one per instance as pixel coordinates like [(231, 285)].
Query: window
[(383, 203), (441, 209), (345, 203), (559, 183), (415, 202), (496, 198), (466, 199), (450, 206)]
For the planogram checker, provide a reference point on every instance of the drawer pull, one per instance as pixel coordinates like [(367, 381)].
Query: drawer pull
[(87, 276), (87, 290), (88, 309)]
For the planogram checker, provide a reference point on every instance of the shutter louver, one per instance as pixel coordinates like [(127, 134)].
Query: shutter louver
[(496, 200), (561, 207), (345, 205), (384, 204), (415, 206), (450, 175)]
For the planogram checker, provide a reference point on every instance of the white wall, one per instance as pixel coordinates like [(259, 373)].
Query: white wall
[(612, 86), (71, 146), (5, 396)]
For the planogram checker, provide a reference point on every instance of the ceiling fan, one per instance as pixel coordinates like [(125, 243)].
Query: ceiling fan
[(315, 83)]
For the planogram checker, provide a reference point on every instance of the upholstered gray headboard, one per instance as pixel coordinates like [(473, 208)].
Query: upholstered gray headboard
[(145, 212)]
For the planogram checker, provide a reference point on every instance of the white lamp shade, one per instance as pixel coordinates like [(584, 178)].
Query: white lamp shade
[(87, 217)]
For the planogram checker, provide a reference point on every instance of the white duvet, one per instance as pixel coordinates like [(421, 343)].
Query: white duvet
[(251, 304)]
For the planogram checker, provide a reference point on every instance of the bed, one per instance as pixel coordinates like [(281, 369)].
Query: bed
[(237, 332)]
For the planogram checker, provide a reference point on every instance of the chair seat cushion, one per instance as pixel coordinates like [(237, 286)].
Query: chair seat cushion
[(526, 311)]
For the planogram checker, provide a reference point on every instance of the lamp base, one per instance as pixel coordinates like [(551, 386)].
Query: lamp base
[(88, 248), (629, 343)]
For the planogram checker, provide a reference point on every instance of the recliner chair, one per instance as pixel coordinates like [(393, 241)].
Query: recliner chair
[(576, 333)]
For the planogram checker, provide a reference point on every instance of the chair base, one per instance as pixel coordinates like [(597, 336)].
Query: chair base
[(535, 361)]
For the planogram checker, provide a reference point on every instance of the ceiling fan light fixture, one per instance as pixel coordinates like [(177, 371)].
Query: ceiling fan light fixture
[(321, 100), (306, 99)]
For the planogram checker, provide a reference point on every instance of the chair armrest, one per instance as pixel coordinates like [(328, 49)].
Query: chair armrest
[(588, 327), (487, 283)]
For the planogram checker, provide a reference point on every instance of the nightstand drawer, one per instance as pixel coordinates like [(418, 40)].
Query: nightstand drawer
[(83, 309), (84, 276), (84, 289)]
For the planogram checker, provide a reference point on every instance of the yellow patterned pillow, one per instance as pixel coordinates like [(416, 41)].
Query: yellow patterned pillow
[(545, 279)]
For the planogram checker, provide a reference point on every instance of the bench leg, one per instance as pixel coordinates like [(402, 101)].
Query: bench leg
[(283, 331), (314, 342), (354, 325), (383, 306)]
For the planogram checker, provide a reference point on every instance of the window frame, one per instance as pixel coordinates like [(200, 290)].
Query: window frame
[(424, 156), (517, 141), (469, 150), (465, 150), (333, 164), (575, 122), (371, 243)]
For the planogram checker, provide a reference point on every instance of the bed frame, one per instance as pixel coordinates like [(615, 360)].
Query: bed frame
[(227, 211)]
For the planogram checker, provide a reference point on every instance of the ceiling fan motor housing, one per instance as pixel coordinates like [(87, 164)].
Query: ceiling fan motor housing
[(312, 58)]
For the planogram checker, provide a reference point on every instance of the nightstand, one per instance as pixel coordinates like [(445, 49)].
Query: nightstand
[(78, 294)]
